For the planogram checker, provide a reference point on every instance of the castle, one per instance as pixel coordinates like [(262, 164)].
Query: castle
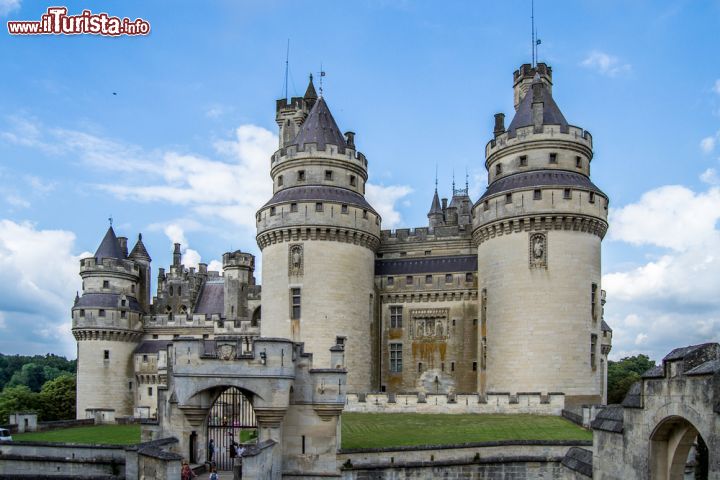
[(498, 295)]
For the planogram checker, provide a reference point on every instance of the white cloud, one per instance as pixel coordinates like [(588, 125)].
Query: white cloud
[(190, 257), (671, 299), (716, 87), (17, 201), (383, 199), (605, 64), (710, 176), (39, 274), (8, 6), (707, 144)]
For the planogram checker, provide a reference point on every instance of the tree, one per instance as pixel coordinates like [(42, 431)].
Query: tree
[(57, 398), (31, 375), (622, 374), (17, 399)]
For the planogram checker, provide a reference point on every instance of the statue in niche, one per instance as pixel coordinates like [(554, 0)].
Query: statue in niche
[(295, 260), (538, 250), (438, 329)]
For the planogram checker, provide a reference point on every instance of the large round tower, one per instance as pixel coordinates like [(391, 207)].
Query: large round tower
[(107, 324), (318, 237), (538, 228)]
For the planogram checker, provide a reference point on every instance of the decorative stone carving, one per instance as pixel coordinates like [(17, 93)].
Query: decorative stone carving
[(226, 351), (538, 250), (295, 259), (429, 324)]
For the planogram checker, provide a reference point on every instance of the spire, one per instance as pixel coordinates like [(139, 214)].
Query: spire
[(109, 247), (139, 251), (310, 94), (319, 128), (435, 207)]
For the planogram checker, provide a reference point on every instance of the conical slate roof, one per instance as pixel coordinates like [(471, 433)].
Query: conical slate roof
[(139, 250), (320, 128), (310, 93), (109, 247), (551, 112), (435, 207)]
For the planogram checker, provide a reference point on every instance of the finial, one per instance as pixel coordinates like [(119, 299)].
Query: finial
[(110, 219), (287, 68), (139, 237), (453, 180), (322, 74), (466, 180), (436, 176)]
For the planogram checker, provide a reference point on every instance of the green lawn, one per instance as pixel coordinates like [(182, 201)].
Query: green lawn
[(375, 430), (108, 434)]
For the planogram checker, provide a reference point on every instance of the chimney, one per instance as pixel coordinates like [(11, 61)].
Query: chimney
[(350, 139), (176, 255), (122, 241), (202, 268), (444, 205), (523, 78), (537, 106), (499, 124)]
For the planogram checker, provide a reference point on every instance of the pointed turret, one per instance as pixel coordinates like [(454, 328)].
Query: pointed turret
[(109, 247), (538, 108), (139, 251), (320, 128), (310, 96), (435, 215)]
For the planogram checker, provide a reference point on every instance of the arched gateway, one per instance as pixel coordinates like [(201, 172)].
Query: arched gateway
[(277, 387)]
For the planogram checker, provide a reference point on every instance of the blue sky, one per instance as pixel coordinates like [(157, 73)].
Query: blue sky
[(181, 151)]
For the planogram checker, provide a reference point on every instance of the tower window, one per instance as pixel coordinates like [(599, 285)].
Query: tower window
[(523, 160), (593, 300), (272, 211), (428, 252), (486, 205), (578, 162), (106, 354), (469, 277), (171, 290), (129, 385), (82, 312), (409, 280), (295, 304), (448, 278), (396, 317), (132, 288), (319, 207), (293, 207), (179, 291), (149, 391), (352, 180), (498, 169), (101, 313), (419, 367), (537, 194), (123, 314), (390, 281), (145, 358), (280, 180), (428, 279), (592, 197), (593, 347), (474, 366), (344, 209), (106, 284), (301, 175), (123, 303), (508, 198), (553, 158), (396, 357), (364, 213), (328, 174), (567, 194), (452, 366)]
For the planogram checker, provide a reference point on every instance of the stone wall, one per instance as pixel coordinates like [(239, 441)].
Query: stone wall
[(533, 403)]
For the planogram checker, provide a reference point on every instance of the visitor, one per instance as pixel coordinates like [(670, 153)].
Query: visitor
[(213, 474), (211, 450), (186, 473)]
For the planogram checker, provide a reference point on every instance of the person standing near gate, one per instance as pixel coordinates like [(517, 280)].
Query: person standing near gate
[(211, 450)]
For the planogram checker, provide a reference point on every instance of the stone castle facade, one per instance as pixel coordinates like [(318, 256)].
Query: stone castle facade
[(498, 295)]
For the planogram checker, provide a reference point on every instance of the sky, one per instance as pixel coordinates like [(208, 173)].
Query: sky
[(170, 134)]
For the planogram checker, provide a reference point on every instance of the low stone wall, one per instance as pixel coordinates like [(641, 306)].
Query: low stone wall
[(55, 425), (516, 460), (532, 403), (257, 463)]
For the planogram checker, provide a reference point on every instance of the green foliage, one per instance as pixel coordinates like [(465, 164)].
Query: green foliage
[(33, 371), (622, 374), (17, 399), (57, 398), (366, 430)]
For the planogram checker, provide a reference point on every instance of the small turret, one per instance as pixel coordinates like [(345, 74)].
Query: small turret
[(177, 256), (435, 215)]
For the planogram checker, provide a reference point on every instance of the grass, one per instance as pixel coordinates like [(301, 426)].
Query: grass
[(107, 434), (377, 430)]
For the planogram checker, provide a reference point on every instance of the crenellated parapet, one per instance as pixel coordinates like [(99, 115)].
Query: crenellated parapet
[(530, 223), (331, 234)]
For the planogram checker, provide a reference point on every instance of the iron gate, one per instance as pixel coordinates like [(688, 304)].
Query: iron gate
[(231, 419)]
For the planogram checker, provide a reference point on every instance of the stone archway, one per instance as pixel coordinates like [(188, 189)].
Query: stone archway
[(230, 419), (670, 444)]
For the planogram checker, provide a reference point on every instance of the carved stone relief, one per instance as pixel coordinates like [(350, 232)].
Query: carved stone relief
[(429, 324), (295, 259), (538, 250)]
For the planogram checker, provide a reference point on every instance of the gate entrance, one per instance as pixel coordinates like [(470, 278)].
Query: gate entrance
[(231, 419)]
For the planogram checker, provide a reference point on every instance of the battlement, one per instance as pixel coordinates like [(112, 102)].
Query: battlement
[(238, 259), (534, 403), (293, 152), (550, 134), (425, 233), (108, 265), (295, 103), (528, 71)]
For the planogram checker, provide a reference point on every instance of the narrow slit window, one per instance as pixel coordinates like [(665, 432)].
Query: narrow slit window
[(295, 304)]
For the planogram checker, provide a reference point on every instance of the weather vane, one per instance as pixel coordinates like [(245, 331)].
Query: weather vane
[(322, 74), (533, 34)]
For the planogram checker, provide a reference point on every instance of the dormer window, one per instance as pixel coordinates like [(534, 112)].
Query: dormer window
[(523, 160), (301, 175), (498, 169), (328, 175), (553, 158)]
